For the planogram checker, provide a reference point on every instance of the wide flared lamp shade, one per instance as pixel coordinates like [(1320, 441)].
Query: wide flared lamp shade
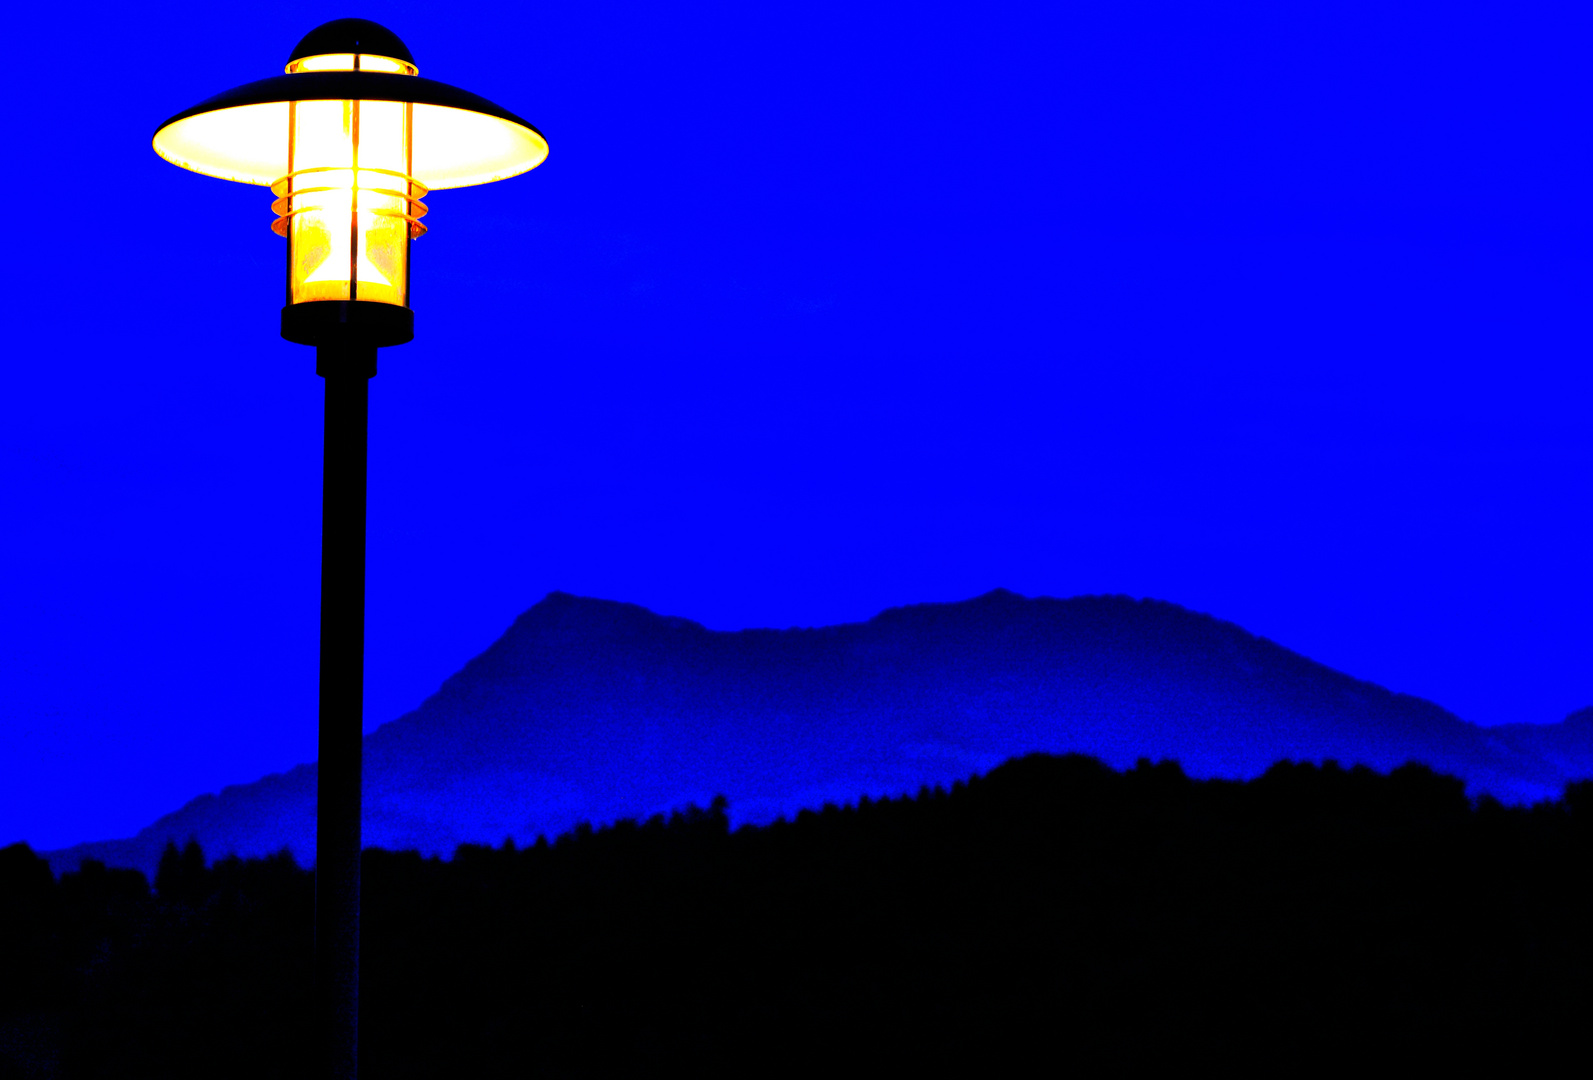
[(459, 139)]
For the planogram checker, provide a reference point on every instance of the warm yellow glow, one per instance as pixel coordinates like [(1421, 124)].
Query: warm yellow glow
[(347, 205), (453, 147), (457, 148), (346, 62), (248, 144)]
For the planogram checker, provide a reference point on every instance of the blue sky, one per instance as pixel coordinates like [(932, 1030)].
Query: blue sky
[(814, 309)]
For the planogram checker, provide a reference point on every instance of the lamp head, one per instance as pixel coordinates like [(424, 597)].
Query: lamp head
[(349, 140)]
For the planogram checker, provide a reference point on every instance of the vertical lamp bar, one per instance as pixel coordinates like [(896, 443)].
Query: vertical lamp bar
[(354, 198)]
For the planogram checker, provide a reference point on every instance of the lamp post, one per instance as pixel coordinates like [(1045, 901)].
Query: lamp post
[(349, 139)]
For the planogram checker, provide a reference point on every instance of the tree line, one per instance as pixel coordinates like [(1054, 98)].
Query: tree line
[(1053, 906)]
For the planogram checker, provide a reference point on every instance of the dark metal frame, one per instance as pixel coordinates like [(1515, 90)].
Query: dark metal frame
[(350, 86), (351, 36), (335, 323)]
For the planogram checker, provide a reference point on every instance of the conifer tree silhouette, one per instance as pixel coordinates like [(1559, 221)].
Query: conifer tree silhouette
[(194, 878), (181, 877), (167, 872)]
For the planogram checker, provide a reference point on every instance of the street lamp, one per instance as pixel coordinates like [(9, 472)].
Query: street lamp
[(349, 140)]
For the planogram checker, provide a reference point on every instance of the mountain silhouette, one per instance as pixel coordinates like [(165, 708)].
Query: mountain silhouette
[(596, 710)]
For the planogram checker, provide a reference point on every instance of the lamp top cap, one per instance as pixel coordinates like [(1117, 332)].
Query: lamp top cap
[(351, 36)]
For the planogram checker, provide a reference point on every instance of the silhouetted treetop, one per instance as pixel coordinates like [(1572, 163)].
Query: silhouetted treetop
[(1052, 905)]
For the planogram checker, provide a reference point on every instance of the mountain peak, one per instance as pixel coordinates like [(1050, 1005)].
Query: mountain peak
[(558, 601), (567, 610)]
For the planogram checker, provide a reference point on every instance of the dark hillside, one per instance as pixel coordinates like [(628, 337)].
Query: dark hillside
[(594, 710), (1053, 907)]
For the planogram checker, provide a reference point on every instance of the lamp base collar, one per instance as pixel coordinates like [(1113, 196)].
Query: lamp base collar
[(364, 323)]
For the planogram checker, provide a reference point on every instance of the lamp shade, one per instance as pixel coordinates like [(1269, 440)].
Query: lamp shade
[(460, 139), (349, 140)]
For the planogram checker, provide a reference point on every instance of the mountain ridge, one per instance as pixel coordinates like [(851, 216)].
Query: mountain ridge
[(588, 709)]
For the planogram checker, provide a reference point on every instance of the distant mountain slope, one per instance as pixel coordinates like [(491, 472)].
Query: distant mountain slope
[(593, 709), (1566, 746)]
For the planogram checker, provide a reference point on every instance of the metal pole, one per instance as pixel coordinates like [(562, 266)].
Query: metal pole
[(347, 369)]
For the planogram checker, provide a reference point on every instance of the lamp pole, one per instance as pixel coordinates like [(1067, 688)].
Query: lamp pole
[(346, 335), (346, 370), (349, 139)]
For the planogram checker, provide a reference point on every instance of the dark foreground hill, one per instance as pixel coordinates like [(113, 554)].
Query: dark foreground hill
[(595, 710), (1054, 911)]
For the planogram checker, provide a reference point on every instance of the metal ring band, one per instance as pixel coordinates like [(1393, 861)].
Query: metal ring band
[(416, 229), (413, 183), (282, 205)]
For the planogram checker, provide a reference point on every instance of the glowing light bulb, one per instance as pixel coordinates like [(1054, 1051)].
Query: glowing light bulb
[(349, 204), (351, 62)]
